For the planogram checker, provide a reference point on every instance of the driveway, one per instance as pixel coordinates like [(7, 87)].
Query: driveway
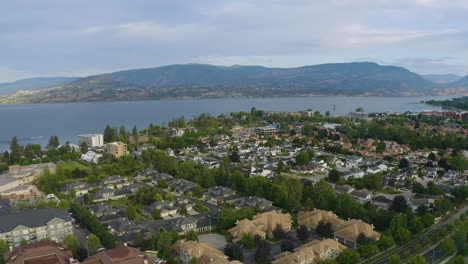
[(216, 240)]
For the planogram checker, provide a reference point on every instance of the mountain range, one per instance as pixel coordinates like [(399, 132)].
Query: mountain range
[(209, 81)]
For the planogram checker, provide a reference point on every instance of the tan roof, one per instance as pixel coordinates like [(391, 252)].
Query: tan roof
[(246, 226), (313, 218), (269, 220), (315, 250), (353, 228), (204, 252)]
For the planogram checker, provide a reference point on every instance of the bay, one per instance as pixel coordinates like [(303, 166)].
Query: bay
[(35, 123)]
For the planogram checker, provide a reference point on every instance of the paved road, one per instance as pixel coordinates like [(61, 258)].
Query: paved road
[(384, 260)]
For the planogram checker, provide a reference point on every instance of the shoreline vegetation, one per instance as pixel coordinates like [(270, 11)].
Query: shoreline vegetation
[(460, 103)]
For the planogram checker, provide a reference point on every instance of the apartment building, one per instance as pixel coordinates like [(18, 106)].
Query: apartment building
[(118, 149), (35, 225), (92, 140), (26, 175)]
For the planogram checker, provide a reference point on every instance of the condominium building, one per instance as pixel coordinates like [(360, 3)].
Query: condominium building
[(311, 253), (204, 253), (26, 175), (345, 232), (92, 140), (35, 225), (117, 149), (263, 225)]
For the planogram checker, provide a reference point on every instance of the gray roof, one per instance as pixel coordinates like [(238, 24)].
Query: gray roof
[(32, 218)]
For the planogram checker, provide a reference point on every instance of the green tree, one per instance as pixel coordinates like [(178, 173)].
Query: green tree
[(71, 242), (16, 151), (156, 214), (348, 256), (280, 167), (302, 233), (402, 235), (404, 163), (372, 181), (399, 204), (192, 235), (386, 242), (93, 242), (457, 260), (394, 259), (427, 219), (3, 249), (302, 158), (131, 213), (84, 147), (418, 259), (334, 175), (324, 229), (448, 246), (53, 142)]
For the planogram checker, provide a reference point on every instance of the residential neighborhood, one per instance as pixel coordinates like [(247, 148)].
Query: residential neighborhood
[(259, 187)]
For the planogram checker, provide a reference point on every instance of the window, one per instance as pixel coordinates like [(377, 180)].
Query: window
[(52, 232), (51, 226), (59, 225), (25, 232)]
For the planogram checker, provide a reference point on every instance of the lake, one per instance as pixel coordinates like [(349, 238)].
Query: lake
[(35, 123)]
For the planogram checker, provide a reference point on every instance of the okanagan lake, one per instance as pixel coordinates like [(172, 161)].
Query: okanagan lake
[(35, 123)]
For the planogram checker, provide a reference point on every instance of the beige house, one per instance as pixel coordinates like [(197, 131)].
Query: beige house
[(263, 224), (311, 253), (35, 225), (311, 219), (118, 149), (349, 232), (205, 253)]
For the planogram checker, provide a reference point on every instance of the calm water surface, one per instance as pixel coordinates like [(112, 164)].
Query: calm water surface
[(35, 123)]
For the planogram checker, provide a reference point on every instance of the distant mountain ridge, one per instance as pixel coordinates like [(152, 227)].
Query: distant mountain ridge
[(34, 84), (442, 78), (210, 81)]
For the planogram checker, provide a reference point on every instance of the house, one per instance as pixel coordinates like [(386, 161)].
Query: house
[(263, 224), (35, 225), (361, 195), (220, 194), (311, 253), (429, 172), (311, 219), (348, 233), (91, 157), (103, 195), (122, 226), (309, 168), (373, 169), (343, 188), (346, 173), (353, 161), (39, 253), (382, 202), (119, 255), (205, 253), (101, 209), (80, 188), (253, 202)]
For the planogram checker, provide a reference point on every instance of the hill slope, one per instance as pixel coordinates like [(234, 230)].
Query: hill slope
[(34, 84), (442, 78), (208, 81)]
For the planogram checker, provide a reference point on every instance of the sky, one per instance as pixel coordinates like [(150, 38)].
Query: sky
[(86, 37)]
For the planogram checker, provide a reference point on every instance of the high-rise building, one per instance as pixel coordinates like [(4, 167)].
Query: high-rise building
[(92, 140)]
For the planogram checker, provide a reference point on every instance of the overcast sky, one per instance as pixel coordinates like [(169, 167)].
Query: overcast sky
[(79, 38)]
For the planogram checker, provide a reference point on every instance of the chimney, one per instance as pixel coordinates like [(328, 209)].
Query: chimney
[(125, 244)]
